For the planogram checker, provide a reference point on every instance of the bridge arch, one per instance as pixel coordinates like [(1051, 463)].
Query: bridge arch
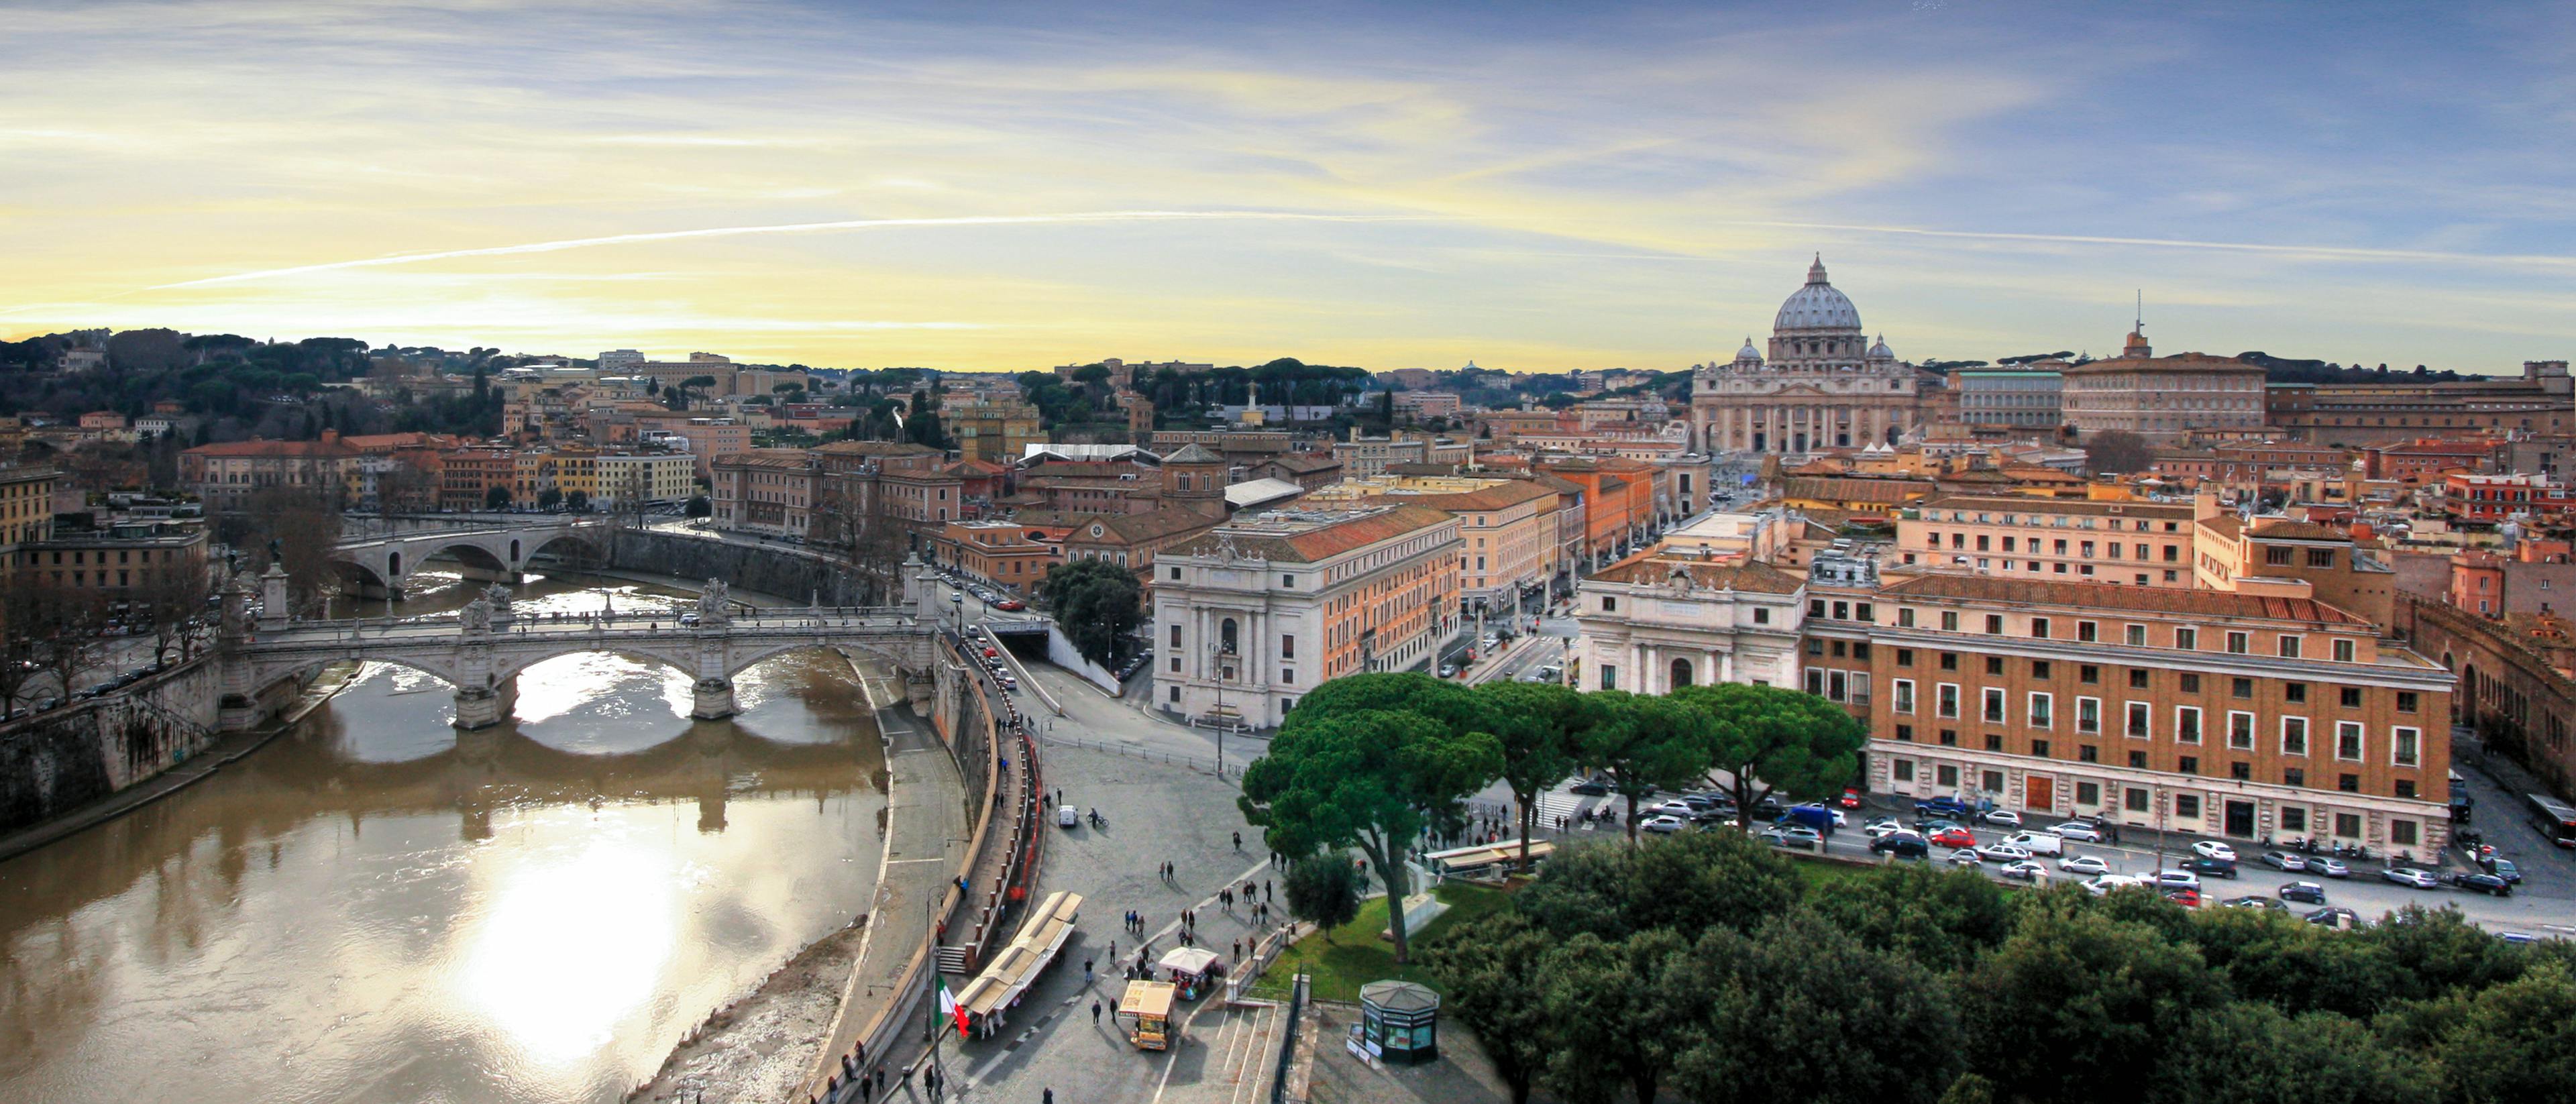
[(276, 670), (588, 546)]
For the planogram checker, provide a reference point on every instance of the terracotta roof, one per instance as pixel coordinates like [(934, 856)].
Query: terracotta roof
[(1650, 570), (1325, 541), (876, 448), (1496, 497), (767, 458), (2113, 596), (1135, 528), (2285, 529), (1842, 489), (1305, 464), (1194, 453), (324, 449), (2026, 505), (2177, 362)]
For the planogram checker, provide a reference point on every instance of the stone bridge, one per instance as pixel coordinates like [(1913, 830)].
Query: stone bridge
[(495, 552), (481, 649)]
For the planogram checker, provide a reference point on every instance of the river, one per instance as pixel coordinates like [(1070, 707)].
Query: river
[(378, 907)]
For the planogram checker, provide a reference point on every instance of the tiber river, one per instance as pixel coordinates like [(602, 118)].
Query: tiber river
[(377, 907)]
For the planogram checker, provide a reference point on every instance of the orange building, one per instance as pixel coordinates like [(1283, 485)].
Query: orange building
[(1008, 554)]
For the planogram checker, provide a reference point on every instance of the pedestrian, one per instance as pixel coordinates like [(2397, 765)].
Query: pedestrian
[(864, 1094), (1238, 841), (1237, 946), (1265, 889), (1050, 1097), (1086, 973), (880, 1080), (1095, 1012), (1113, 951)]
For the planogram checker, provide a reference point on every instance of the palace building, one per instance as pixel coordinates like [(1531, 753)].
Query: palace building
[(1824, 385)]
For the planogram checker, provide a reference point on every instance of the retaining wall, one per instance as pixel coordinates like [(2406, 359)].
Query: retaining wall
[(54, 762), (788, 572)]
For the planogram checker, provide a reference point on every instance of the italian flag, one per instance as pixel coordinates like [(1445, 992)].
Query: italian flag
[(948, 1005)]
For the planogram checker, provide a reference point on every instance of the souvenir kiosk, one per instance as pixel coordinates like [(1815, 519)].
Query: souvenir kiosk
[(1399, 1023)]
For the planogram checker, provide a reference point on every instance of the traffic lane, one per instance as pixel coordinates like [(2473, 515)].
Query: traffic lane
[(2500, 789), (2363, 893)]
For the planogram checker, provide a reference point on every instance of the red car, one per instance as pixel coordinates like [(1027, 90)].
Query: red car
[(1954, 837), (1851, 799), (1009, 605), (2187, 898)]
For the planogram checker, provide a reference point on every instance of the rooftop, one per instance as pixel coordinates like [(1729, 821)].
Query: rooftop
[(2113, 596), (1311, 536)]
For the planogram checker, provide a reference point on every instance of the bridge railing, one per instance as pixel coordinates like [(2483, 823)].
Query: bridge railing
[(825, 617)]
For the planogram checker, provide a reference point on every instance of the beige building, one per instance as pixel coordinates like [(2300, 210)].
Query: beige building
[(1256, 612), (2162, 398), (1666, 619), (766, 491), (648, 478), (1824, 385), (2015, 537)]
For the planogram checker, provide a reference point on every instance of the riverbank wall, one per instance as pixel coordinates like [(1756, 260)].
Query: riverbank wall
[(54, 762), (790, 573)]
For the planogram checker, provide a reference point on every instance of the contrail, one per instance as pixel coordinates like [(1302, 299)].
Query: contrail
[(2337, 251), (794, 228)]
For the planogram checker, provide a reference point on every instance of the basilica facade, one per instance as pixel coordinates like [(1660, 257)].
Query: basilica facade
[(1824, 384)]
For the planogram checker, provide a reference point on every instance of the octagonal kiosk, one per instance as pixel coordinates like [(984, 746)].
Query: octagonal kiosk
[(1399, 1023)]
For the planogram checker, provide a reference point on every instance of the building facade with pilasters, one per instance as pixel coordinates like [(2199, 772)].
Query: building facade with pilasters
[(1658, 622)]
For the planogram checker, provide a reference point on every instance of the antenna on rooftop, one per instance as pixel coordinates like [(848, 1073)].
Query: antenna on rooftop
[(2142, 310)]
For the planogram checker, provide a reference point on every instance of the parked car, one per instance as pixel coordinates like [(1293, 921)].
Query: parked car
[(2309, 892), (2213, 849), (2083, 864), (1666, 823), (2185, 896), (2287, 861), (1965, 856), (1950, 807), (1877, 828), (2343, 919), (1850, 798), (2038, 843), (2005, 817), (2411, 877), (2331, 868), (2003, 853), (2203, 864), (1448, 670), (2025, 871), (2177, 879), (2504, 868), (2078, 831), (1954, 837), (2103, 885), (1818, 807), (1797, 836), (2487, 884), (2255, 901), (1904, 844), (1680, 809), (1596, 786)]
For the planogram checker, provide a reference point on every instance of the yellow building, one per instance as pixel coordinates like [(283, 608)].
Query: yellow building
[(649, 478)]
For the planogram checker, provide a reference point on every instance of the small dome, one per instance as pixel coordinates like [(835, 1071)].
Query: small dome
[(1880, 351), (1748, 352)]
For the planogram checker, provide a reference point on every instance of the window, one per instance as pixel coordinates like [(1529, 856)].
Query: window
[(2405, 747), (2039, 748), (1815, 646), (1176, 636), (1993, 782), (1288, 676), (1816, 681), (1949, 620), (2042, 714), (1761, 615), (1994, 742), (2289, 646), (2241, 688), (2088, 793), (1994, 624), (2402, 832), (2294, 692), (1904, 697), (2242, 772), (2343, 651), (2348, 783), (2138, 678), (2137, 636), (2139, 720), (1609, 603), (2237, 643), (2186, 806), (2320, 557), (2088, 714), (1949, 661), (2294, 776), (2294, 820), (1176, 665), (2187, 638), (2276, 556), (1289, 582), (1949, 737), (2134, 800), (1815, 607), (2240, 731), (2187, 724), (2087, 631), (1904, 769), (2088, 674), (1176, 577), (1609, 676), (2294, 735), (2406, 700), (1288, 647), (1905, 617), (2088, 753), (1905, 657), (1945, 775), (2188, 764), (1995, 665), (1946, 700), (2039, 628), (2190, 682), (1994, 708)]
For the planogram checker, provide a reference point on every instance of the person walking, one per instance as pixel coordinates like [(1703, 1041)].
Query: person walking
[(1086, 975), (1238, 841), (1049, 1098), (1265, 889), (1095, 1012)]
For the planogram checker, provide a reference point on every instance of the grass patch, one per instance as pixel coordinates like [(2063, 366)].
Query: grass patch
[(1356, 956), (1820, 874)]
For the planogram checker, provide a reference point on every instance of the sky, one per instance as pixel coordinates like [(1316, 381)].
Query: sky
[(1529, 186)]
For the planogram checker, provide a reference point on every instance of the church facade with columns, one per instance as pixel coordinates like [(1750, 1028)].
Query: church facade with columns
[(1824, 384)]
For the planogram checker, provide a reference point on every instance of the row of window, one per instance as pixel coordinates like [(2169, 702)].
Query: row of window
[(1959, 542), (2187, 807), (2039, 711), (2287, 645)]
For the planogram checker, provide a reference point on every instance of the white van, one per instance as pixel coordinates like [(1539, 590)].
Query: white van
[(2038, 843)]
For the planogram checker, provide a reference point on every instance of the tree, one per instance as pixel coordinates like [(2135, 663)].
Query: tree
[(303, 524), (2514, 1042), (23, 610), (72, 636), (1685, 883), (2074, 1007), (1621, 1013), (577, 502), (1769, 738), (1366, 778), (1097, 602), (550, 498), (1645, 744), (1941, 918), (2118, 451), (497, 497), (2233, 1055), (1537, 724), (1491, 972), (1891, 1019), (699, 506), (172, 601), (1325, 891)]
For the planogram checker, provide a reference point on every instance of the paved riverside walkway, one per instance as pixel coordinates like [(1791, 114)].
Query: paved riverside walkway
[(927, 835)]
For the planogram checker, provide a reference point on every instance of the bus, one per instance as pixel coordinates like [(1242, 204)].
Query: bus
[(2555, 819)]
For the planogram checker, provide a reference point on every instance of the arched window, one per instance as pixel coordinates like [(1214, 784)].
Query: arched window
[(1225, 636), (1681, 674)]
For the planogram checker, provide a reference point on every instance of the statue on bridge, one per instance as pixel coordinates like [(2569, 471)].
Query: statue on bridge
[(477, 616), (499, 598), (712, 603)]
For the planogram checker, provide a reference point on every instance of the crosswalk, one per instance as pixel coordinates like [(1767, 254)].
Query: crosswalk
[(1242, 1056)]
